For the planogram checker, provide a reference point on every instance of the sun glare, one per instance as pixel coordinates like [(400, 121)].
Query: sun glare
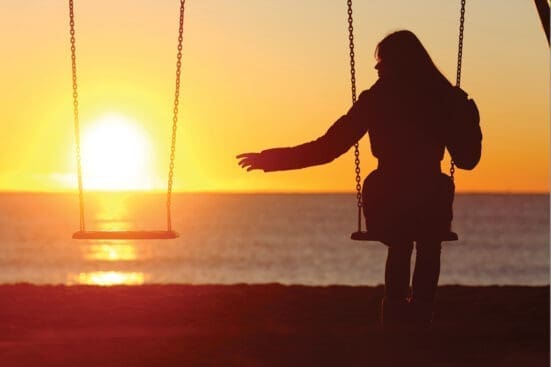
[(116, 155)]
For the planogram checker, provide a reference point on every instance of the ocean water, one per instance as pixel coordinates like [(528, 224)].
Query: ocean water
[(257, 238)]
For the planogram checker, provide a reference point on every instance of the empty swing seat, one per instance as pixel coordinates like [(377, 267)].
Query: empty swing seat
[(125, 235), (370, 236)]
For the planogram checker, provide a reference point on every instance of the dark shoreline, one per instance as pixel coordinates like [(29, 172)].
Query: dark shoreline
[(265, 325)]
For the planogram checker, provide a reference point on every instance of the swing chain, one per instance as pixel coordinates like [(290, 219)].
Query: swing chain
[(352, 54), (353, 88), (75, 113), (459, 64), (175, 116), (460, 44)]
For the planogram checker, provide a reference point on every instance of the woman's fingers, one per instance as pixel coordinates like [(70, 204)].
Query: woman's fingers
[(243, 155), (249, 161), (245, 162)]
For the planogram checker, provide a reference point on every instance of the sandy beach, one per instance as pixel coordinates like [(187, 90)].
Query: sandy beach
[(265, 325)]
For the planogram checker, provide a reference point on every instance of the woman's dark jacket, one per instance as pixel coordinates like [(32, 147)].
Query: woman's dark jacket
[(409, 128)]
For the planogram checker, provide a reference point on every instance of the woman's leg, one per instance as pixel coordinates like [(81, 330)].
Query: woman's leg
[(427, 271), (397, 271), (394, 310), (425, 279)]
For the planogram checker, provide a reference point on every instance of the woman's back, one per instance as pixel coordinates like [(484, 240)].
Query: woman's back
[(406, 125)]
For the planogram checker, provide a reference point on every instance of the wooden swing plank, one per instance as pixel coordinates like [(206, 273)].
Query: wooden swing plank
[(368, 236), (125, 235)]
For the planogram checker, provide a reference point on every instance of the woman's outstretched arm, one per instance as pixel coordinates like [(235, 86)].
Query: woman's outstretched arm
[(346, 131)]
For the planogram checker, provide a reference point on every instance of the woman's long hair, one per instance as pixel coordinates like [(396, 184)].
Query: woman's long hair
[(403, 54)]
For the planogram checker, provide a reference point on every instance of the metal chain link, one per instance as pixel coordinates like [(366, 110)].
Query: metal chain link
[(460, 44), (75, 114), (353, 88), (459, 64), (175, 118)]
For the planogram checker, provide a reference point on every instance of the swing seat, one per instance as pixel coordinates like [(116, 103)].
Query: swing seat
[(125, 235), (370, 236)]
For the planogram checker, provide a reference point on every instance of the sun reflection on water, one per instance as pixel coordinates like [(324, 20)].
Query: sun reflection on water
[(110, 252), (112, 209), (108, 278)]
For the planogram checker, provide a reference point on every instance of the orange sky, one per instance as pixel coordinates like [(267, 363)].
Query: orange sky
[(256, 74)]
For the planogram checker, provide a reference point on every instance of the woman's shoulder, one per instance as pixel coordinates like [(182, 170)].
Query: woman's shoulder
[(378, 89)]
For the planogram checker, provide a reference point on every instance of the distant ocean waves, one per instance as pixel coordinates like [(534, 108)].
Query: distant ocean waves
[(257, 238)]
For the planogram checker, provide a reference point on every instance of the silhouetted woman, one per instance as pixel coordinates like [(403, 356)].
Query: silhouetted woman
[(412, 113)]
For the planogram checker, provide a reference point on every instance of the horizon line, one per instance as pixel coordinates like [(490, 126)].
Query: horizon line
[(248, 192)]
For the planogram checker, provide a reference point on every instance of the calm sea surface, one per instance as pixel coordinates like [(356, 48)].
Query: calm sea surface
[(234, 238)]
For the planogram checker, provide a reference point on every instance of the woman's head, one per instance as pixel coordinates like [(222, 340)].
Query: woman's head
[(402, 55)]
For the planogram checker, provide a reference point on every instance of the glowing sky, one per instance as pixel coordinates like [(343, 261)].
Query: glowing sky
[(256, 74)]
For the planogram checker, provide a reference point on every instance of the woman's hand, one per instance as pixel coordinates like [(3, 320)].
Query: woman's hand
[(251, 161)]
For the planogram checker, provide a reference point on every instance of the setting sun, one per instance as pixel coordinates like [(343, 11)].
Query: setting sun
[(116, 155)]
